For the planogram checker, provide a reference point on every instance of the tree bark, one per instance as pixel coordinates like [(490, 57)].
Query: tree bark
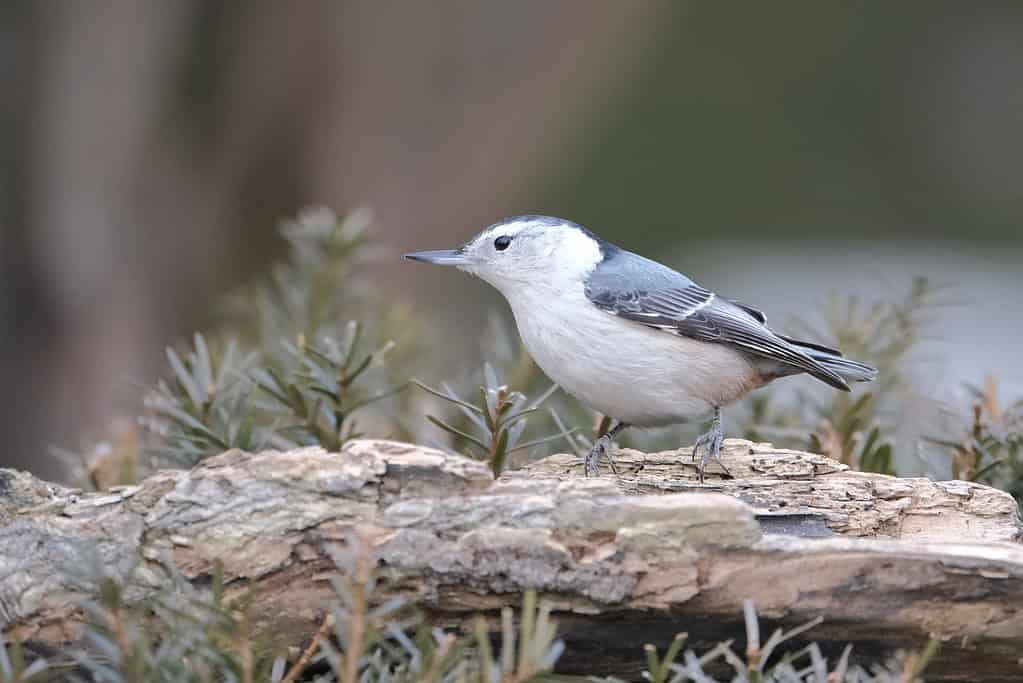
[(903, 559), (807, 494)]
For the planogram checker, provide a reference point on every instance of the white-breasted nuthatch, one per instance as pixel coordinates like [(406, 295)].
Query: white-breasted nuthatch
[(629, 337)]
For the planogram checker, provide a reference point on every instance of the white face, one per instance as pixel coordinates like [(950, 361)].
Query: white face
[(529, 251)]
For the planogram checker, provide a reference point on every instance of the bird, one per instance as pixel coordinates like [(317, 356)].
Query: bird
[(631, 338)]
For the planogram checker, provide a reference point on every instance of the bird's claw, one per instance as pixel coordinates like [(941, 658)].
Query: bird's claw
[(590, 462), (712, 442)]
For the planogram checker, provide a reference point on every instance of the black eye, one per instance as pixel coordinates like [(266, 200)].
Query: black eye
[(502, 242)]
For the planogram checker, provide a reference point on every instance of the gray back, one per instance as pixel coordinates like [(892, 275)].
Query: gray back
[(622, 272)]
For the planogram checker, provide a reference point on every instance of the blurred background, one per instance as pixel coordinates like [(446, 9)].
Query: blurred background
[(775, 152)]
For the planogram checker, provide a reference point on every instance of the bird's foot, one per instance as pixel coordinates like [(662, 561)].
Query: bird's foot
[(711, 442), (602, 445)]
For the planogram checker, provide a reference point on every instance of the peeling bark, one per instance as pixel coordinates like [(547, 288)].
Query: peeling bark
[(792, 488), (905, 558)]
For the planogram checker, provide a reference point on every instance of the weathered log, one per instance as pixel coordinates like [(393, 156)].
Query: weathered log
[(807, 494), (623, 568)]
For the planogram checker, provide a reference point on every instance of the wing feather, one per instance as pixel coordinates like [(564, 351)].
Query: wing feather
[(694, 312)]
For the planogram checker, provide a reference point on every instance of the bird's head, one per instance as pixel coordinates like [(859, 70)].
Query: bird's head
[(523, 251)]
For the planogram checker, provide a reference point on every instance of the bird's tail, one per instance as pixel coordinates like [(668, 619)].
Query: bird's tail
[(850, 370), (832, 359)]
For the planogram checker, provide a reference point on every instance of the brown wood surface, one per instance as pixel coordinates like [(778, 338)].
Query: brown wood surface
[(887, 562)]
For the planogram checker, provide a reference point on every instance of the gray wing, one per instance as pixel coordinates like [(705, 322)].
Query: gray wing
[(678, 305), (762, 319)]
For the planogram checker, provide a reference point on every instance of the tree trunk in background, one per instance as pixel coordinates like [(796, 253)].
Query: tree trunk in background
[(149, 139)]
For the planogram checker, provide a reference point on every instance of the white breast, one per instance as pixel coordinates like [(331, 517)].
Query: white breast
[(622, 369)]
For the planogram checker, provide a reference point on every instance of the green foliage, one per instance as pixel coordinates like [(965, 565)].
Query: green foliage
[(853, 435), (988, 446), (370, 645), (280, 369), (211, 403), (314, 288), (491, 427), (857, 429), (206, 407), (315, 397), (190, 635), (14, 668), (182, 635), (187, 635), (301, 376), (766, 663), (882, 333)]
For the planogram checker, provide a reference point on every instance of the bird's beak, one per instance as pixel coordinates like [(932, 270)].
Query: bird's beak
[(440, 257)]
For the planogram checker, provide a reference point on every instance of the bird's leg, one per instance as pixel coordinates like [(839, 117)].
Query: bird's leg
[(603, 444), (712, 440)]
